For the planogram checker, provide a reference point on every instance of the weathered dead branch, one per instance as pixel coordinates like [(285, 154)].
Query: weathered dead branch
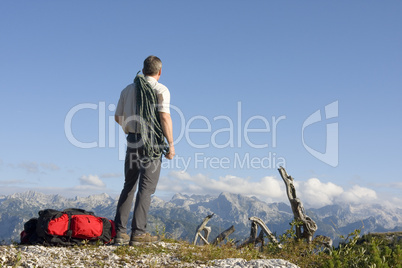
[(309, 226), (205, 229), (253, 238), (222, 236), (304, 230)]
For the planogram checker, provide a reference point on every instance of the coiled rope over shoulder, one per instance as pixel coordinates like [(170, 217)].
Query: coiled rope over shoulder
[(151, 128)]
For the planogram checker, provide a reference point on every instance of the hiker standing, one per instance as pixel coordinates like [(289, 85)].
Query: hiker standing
[(143, 112)]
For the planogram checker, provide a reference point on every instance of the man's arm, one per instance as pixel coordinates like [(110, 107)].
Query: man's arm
[(167, 127)]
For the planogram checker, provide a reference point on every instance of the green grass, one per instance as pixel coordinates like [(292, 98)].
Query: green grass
[(355, 251), (372, 250)]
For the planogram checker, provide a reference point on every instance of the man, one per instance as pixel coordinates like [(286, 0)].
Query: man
[(138, 115)]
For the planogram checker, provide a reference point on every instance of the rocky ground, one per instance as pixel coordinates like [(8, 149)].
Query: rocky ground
[(105, 256)]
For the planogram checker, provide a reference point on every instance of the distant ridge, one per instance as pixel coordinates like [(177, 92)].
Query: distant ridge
[(180, 216)]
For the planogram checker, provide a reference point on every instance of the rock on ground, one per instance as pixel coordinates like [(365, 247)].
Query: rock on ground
[(104, 256)]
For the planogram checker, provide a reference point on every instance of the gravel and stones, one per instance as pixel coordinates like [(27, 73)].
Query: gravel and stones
[(105, 256)]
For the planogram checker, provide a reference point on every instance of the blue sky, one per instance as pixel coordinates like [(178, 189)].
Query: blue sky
[(244, 77)]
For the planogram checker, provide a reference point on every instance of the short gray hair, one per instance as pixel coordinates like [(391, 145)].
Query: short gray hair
[(152, 65)]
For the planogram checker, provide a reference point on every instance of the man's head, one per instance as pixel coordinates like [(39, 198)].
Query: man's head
[(152, 66)]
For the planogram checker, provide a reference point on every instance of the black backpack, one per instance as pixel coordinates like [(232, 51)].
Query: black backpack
[(68, 227)]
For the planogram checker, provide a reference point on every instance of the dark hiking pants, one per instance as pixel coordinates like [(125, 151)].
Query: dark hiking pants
[(145, 174)]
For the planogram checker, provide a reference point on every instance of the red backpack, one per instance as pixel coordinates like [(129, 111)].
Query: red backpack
[(68, 227)]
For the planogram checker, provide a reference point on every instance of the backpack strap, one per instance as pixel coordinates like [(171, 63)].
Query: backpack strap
[(78, 211), (69, 232)]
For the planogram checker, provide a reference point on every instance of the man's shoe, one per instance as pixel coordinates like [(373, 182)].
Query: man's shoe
[(121, 239), (143, 238)]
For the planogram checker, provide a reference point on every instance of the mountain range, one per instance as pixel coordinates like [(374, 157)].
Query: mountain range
[(180, 216)]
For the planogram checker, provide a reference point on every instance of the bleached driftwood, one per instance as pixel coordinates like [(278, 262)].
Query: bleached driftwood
[(203, 232), (205, 229), (253, 238), (222, 236), (306, 230), (309, 226)]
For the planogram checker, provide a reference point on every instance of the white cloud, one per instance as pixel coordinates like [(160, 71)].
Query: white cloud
[(33, 167), (358, 194), (268, 188), (91, 180), (397, 185), (111, 175), (49, 166), (314, 193), (30, 167)]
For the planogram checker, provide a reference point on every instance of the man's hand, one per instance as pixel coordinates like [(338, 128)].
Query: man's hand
[(171, 153)]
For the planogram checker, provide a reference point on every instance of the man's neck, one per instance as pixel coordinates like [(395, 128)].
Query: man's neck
[(156, 77)]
